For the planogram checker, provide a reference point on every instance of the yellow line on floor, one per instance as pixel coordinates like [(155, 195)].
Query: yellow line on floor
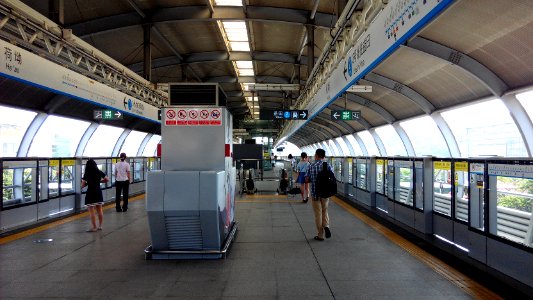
[(264, 196), (465, 283), (267, 201), (38, 229)]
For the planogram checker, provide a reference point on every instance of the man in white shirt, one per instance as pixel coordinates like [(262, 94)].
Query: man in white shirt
[(122, 183)]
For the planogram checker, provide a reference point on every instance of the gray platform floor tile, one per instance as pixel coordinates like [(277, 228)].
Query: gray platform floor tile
[(273, 257)]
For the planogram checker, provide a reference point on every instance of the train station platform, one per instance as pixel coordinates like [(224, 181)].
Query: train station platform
[(273, 257)]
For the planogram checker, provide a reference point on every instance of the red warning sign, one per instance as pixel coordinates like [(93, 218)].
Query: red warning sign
[(194, 117), (171, 114)]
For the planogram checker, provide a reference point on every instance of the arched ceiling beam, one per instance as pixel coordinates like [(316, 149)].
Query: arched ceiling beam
[(385, 114), (220, 56), (114, 23), (331, 124), (488, 78), (402, 89), (333, 131), (313, 136)]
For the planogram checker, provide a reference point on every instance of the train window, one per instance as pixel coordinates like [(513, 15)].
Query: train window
[(442, 187), (425, 137), (491, 132), (58, 137), (380, 187), (391, 140), (461, 190), (13, 127), (510, 201)]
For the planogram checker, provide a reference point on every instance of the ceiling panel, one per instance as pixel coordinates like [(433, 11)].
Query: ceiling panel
[(276, 37), (504, 44), (149, 4), (193, 37), (441, 82), (326, 6)]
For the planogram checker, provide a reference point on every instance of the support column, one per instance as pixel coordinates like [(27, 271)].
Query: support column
[(56, 11), (310, 49), (147, 70), (30, 133)]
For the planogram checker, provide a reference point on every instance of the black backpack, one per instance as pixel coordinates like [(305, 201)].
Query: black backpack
[(325, 184)]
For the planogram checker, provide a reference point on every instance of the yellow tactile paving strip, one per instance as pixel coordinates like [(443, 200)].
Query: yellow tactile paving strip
[(31, 231), (471, 287)]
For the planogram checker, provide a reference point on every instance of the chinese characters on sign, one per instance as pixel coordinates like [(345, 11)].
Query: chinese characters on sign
[(13, 60)]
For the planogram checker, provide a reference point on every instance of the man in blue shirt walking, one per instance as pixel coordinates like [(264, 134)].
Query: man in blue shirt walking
[(320, 205)]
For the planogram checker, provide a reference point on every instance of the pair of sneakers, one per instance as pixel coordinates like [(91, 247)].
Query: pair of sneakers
[(328, 234)]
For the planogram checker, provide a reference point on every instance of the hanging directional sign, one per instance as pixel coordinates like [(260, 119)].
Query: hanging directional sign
[(107, 114), (267, 114), (345, 115)]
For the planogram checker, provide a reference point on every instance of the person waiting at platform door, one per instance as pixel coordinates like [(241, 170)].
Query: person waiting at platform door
[(122, 183), (93, 198)]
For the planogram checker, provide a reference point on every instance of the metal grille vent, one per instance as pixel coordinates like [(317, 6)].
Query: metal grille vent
[(184, 233), (455, 57)]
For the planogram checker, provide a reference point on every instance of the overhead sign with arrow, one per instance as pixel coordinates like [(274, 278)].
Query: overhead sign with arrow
[(345, 115), (283, 114), (107, 114)]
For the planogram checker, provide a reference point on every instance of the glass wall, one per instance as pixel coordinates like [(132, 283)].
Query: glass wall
[(369, 142), (391, 140), (151, 147), (426, 137), (132, 143), (102, 141), (58, 137), (380, 173), (355, 145), (334, 148), (344, 147), (442, 188), (485, 129), (511, 201), (362, 179), (404, 182), (461, 190), (526, 99), (13, 125)]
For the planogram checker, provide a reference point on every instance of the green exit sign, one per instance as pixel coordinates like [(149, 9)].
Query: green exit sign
[(345, 115), (107, 114)]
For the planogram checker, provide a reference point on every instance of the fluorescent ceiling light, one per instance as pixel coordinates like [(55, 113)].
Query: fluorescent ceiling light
[(228, 2), (244, 64), (239, 46), (256, 112), (246, 72)]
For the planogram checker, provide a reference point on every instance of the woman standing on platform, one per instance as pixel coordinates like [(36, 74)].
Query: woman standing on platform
[(93, 198), (302, 168)]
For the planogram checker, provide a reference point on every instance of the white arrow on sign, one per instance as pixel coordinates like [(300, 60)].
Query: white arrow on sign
[(303, 114), (118, 114), (336, 115)]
